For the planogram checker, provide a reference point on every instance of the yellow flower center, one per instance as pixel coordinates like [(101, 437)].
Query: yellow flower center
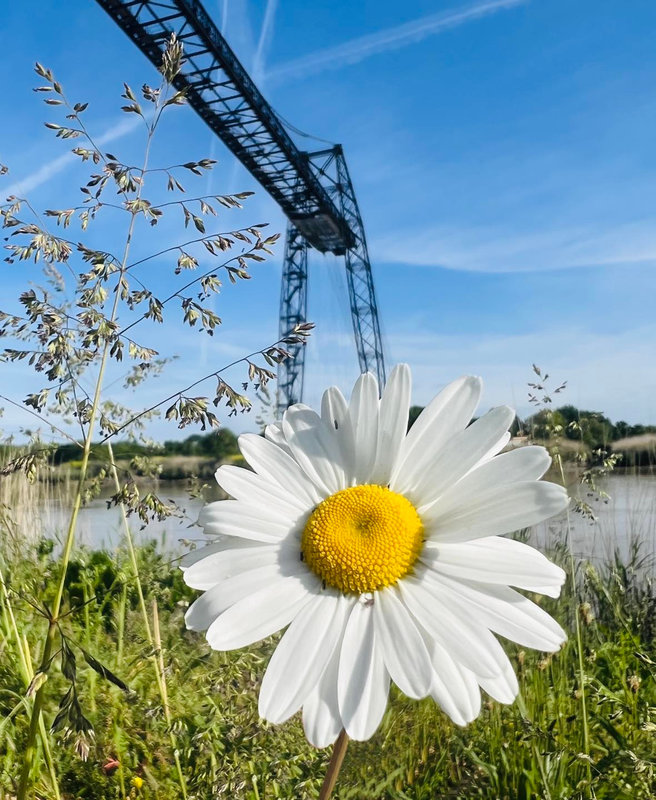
[(362, 539)]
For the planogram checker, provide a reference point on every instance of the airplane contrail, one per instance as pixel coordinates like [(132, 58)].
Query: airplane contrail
[(51, 168), (266, 34), (356, 50)]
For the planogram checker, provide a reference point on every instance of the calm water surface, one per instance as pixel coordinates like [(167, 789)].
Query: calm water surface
[(626, 519), (629, 515)]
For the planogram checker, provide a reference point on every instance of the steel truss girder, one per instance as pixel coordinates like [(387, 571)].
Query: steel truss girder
[(223, 94), (293, 311), (314, 190), (334, 175)]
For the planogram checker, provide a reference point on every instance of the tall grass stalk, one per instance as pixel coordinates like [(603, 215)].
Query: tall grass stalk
[(152, 633), (165, 696), (554, 430), (27, 672), (537, 755), (70, 336), (578, 629), (30, 749)]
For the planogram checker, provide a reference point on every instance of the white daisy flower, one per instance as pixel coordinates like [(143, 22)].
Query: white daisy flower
[(380, 549)]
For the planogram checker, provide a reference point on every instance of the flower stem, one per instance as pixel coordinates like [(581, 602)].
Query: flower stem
[(332, 773), (165, 698)]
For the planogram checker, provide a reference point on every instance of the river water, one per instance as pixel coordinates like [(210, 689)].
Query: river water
[(624, 521), (628, 516)]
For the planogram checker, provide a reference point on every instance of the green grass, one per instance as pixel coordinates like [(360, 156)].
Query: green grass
[(532, 750)]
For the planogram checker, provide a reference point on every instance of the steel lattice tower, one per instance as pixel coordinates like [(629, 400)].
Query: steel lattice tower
[(314, 190)]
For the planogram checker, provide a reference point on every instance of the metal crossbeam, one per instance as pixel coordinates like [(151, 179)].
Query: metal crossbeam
[(222, 93), (314, 190)]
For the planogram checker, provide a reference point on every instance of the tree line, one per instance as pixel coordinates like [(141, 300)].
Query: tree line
[(219, 445), (592, 428)]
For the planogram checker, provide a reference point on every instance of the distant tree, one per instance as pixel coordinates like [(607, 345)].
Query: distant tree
[(545, 424), (570, 414), (622, 429), (591, 427), (219, 444), (516, 427)]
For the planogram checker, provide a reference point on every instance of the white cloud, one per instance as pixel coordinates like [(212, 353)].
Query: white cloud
[(604, 372), (48, 170), (393, 38), (494, 250)]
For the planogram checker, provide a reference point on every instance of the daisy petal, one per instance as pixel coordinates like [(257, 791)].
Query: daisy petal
[(334, 413), (315, 448), (262, 613), (273, 433), (443, 696), (321, 720), (216, 567), (497, 447), (445, 415), (268, 460), (249, 487), (496, 560), (454, 687), (522, 464), (363, 681), (203, 611), (302, 655), (234, 518), (466, 612), (393, 423), (497, 511), (334, 408), (217, 545), (464, 638), (507, 613), (444, 467), (406, 657), (504, 687), (363, 415)]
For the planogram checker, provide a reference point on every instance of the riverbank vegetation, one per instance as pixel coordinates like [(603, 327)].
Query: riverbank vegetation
[(583, 436), (135, 687)]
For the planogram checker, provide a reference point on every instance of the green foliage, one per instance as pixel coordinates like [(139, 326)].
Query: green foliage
[(592, 428), (220, 444), (530, 751)]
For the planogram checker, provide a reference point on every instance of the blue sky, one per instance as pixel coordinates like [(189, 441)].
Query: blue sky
[(503, 156)]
